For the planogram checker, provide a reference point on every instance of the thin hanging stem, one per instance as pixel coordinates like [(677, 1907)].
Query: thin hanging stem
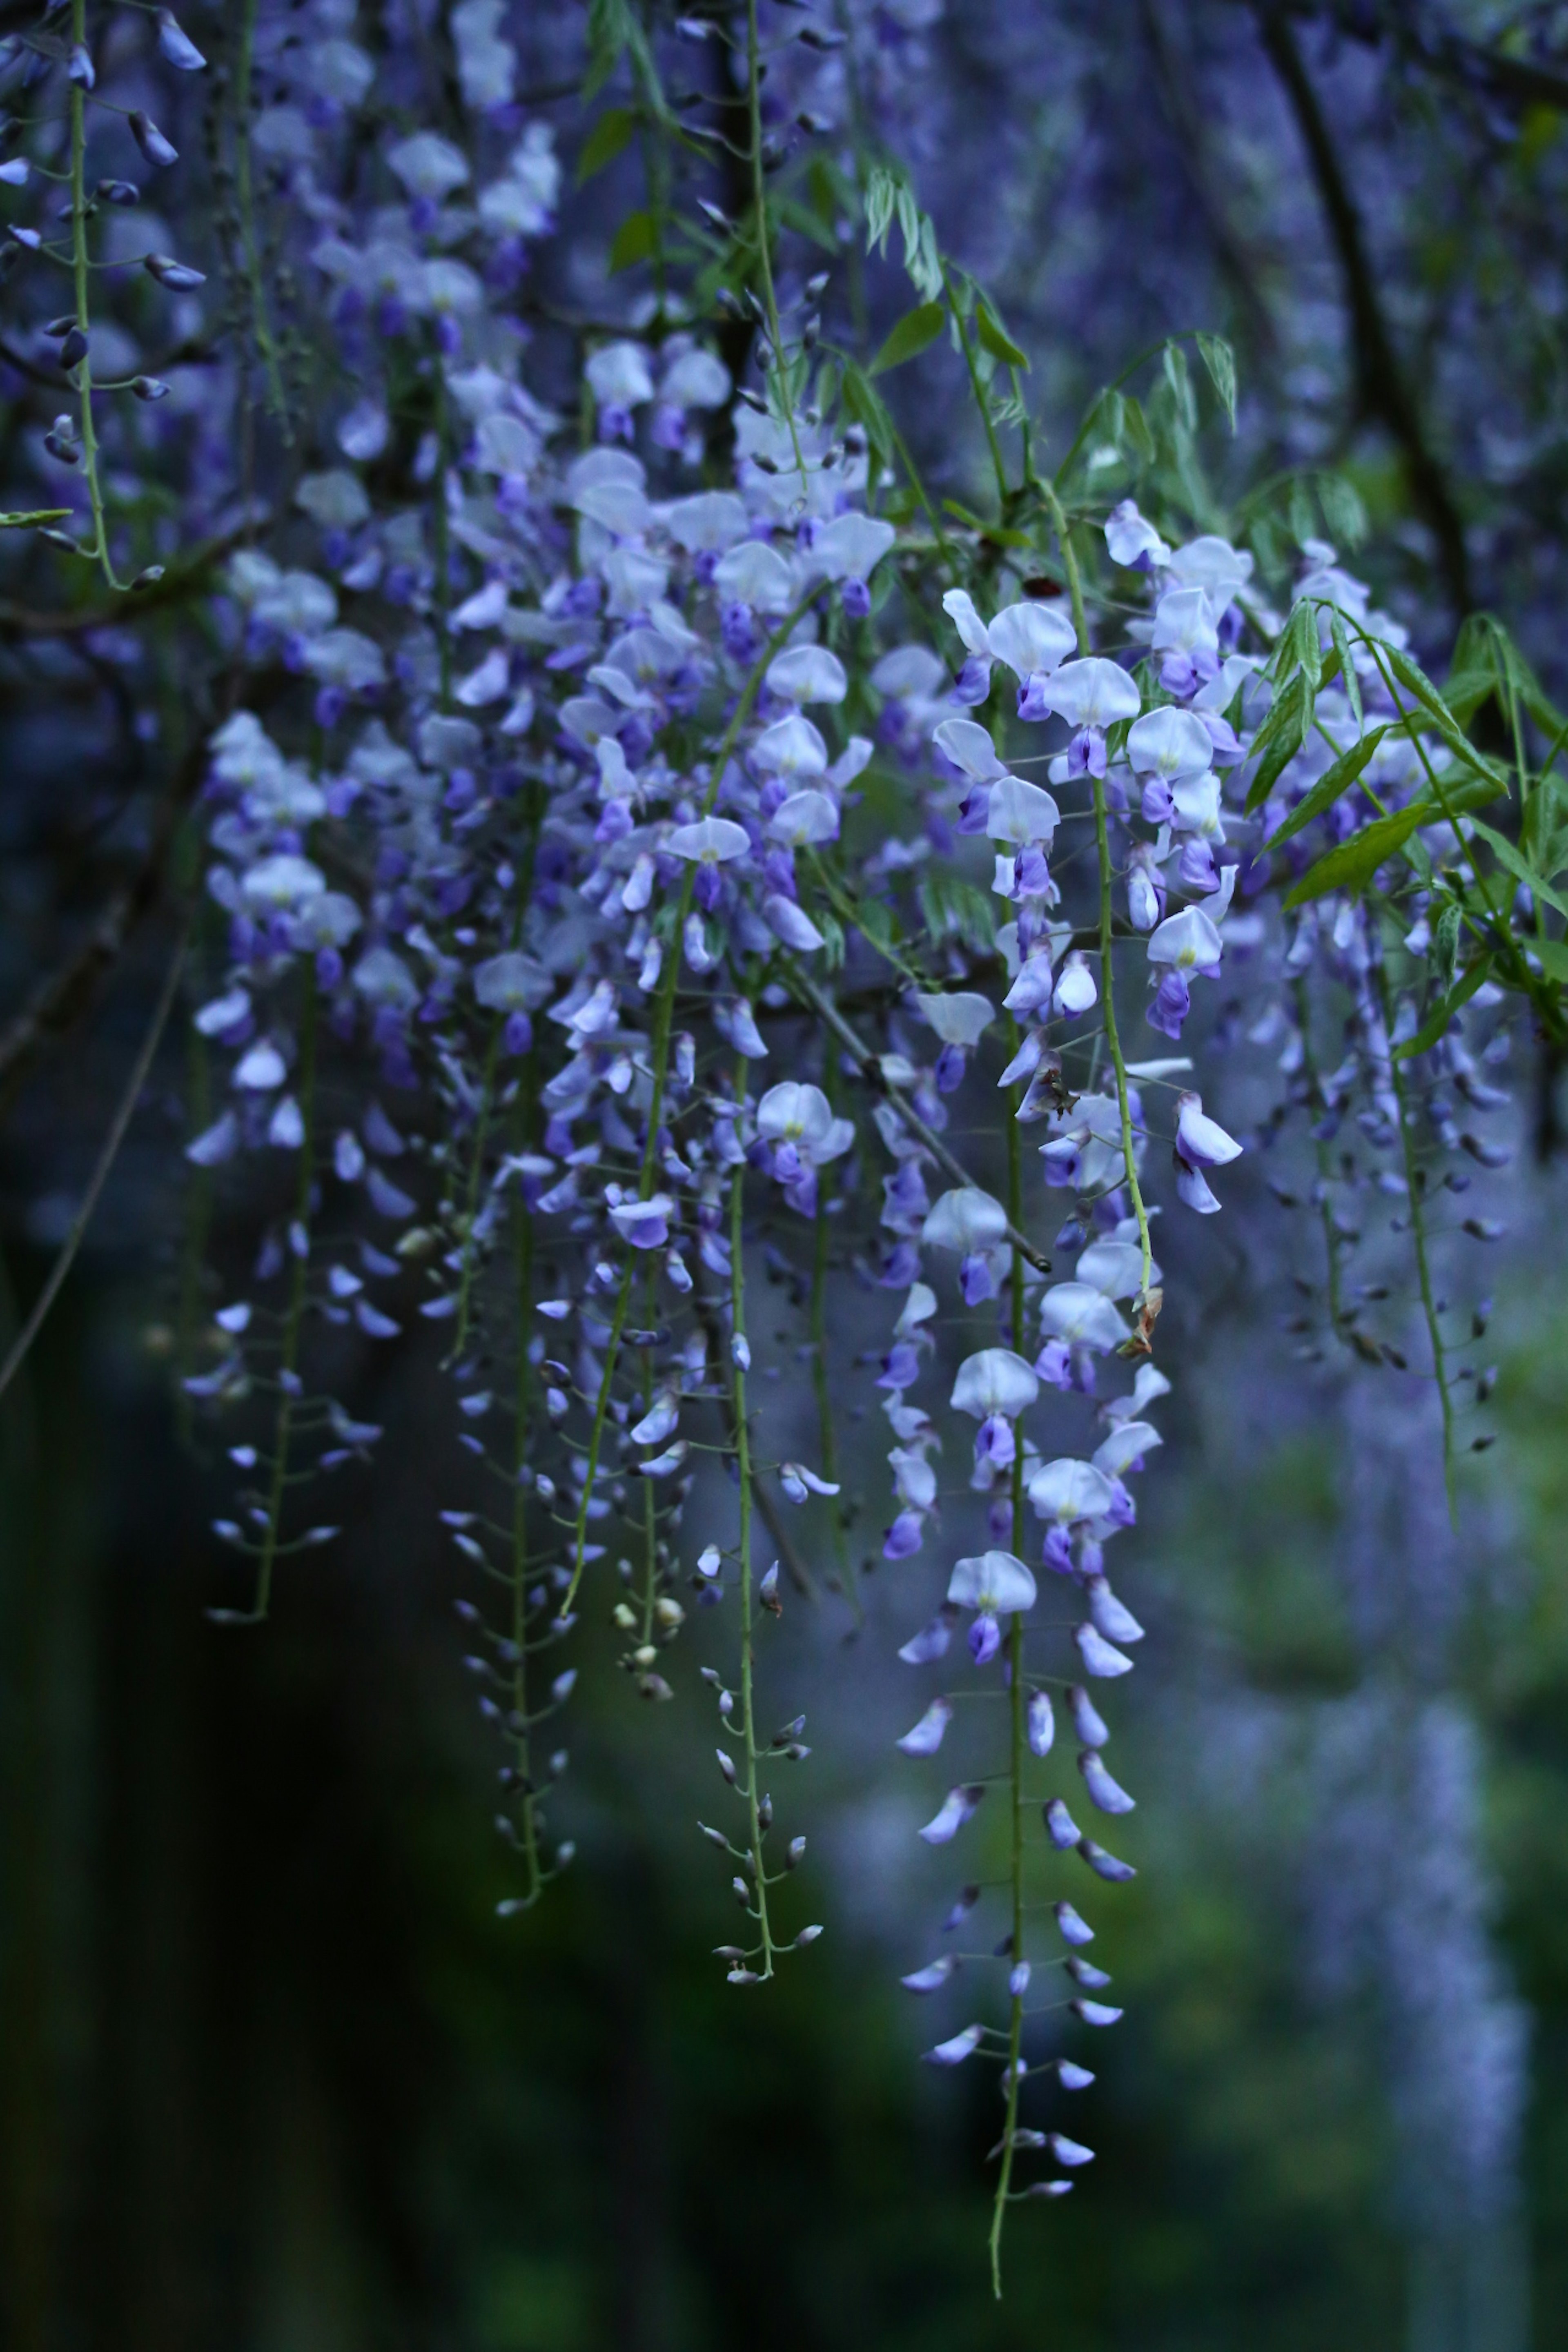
[(984, 406), (1016, 1745), (748, 1629), (760, 200), (100, 1176), (293, 1324), (663, 1021), (1107, 967), (83, 308), (520, 1727)]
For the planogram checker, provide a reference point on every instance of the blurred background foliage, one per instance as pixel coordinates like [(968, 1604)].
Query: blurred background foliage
[(274, 2078)]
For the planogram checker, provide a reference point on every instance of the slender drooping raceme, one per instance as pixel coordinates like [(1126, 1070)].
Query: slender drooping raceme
[(635, 812)]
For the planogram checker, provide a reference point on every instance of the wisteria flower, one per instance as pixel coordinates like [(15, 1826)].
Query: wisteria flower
[(971, 1222), (995, 1585), (1184, 944), (994, 1387), (1201, 1143)]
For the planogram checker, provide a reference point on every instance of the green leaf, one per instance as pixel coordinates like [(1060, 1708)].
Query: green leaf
[(881, 198), (633, 241), (1173, 362), (1436, 1025), (864, 405), (952, 908), (33, 517), (995, 336), (1280, 738), (1415, 680), (1351, 866), (1343, 512), (1135, 428), (1299, 647), (1553, 955), (878, 923), (1328, 788), (608, 33), (1505, 853), (1220, 360), (832, 930), (610, 136), (1341, 646), (914, 333)]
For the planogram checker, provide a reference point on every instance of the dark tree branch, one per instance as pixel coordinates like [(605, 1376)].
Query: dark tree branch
[(1381, 387), (1186, 118)]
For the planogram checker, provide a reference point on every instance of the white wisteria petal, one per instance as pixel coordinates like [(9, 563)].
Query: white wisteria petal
[(850, 547), (789, 921), (994, 1582), (918, 1306), (1068, 1491), (512, 982), (1083, 1315), (1093, 692), (1171, 743), (805, 817), (1031, 638), (949, 1818), (1188, 941), (961, 1019), (994, 1381), (792, 748), (959, 606), (711, 841), (1125, 1447), (927, 1735), (1114, 1267), (794, 1111), (756, 574), (1201, 1140), (965, 1219), (807, 674), (1020, 812), (708, 522), (1100, 1656), (969, 746)]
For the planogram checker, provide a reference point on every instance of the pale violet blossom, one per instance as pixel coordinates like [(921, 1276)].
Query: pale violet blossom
[(959, 1019), (994, 1381), (807, 674), (805, 817), (797, 1113), (1082, 1316), (710, 841), (965, 1219)]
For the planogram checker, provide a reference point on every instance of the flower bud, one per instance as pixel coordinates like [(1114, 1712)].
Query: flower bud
[(150, 139)]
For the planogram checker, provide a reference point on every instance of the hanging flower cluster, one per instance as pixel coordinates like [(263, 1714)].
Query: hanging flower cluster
[(634, 817)]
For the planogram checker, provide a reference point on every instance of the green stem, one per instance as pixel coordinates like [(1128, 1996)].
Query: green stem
[(523, 1732), (663, 1021), (1103, 849), (759, 199), (1414, 1173), (743, 1463), (978, 389), (828, 1436), (294, 1320), (475, 1174), (83, 309), (1014, 1706)]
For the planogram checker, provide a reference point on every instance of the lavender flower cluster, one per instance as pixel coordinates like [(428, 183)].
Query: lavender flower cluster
[(623, 842)]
